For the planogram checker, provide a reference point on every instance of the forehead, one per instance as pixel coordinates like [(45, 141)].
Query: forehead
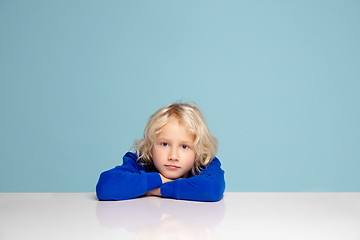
[(174, 130)]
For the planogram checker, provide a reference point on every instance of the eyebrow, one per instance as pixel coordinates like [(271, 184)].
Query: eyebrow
[(167, 140)]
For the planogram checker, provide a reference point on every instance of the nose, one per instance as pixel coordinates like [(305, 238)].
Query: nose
[(173, 155)]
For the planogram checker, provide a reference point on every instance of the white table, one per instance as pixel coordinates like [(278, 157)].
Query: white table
[(267, 216)]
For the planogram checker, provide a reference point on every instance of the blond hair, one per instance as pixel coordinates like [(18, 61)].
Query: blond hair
[(190, 117)]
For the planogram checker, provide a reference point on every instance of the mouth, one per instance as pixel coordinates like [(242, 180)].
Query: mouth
[(172, 167)]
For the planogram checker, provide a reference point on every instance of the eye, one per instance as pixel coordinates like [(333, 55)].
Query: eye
[(164, 144), (184, 147)]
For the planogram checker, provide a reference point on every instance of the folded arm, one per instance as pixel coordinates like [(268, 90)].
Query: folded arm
[(127, 181), (130, 180), (208, 186)]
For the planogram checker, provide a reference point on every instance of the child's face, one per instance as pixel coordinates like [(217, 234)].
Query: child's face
[(173, 152)]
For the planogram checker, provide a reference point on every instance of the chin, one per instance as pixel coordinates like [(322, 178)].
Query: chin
[(172, 176)]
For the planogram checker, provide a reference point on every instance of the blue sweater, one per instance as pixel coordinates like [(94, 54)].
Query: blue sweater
[(131, 180)]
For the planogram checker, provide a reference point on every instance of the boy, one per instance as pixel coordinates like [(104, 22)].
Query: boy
[(175, 159)]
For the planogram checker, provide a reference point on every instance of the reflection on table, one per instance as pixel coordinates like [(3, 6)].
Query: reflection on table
[(161, 218)]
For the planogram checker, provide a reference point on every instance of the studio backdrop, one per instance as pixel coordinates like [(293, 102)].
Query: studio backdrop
[(278, 82)]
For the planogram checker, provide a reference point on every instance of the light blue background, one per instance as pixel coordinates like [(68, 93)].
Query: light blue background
[(278, 81)]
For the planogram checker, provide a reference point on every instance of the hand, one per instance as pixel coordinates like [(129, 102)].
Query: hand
[(154, 192), (157, 192), (165, 179)]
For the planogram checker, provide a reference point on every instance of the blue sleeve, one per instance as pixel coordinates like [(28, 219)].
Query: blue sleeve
[(208, 186), (126, 181)]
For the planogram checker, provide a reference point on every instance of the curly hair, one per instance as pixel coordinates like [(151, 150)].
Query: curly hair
[(190, 117)]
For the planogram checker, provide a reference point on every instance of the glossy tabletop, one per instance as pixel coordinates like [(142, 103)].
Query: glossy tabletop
[(237, 216)]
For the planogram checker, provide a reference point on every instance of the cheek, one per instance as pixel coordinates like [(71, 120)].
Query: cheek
[(190, 160), (157, 155), (154, 155)]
